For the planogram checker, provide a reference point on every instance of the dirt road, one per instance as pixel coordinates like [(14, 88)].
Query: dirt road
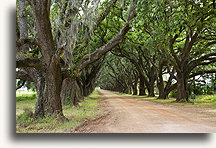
[(131, 115)]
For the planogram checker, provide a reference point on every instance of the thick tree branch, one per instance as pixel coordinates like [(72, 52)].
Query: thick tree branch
[(209, 62), (92, 57), (22, 75), (202, 72), (21, 83), (26, 41), (29, 62), (41, 9), (171, 48), (105, 13), (210, 43), (199, 61)]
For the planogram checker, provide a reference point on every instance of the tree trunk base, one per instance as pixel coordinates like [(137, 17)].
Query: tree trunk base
[(151, 95), (62, 118), (181, 101), (162, 98)]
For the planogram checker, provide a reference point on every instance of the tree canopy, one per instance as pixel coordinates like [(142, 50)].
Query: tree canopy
[(67, 48)]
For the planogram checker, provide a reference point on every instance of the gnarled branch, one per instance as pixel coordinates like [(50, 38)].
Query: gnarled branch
[(200, 61), (202, 72), (29, 62), (105, 13), (23, 75), (27, 41), (92, 57)]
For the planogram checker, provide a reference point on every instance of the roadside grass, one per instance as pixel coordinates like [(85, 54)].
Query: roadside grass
[(22, 96), (24, 101), (76, 115), (208, 101)]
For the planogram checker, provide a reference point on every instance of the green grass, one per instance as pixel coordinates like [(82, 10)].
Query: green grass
[(208, 101), (76, 115), (21, 96), (25, 100)]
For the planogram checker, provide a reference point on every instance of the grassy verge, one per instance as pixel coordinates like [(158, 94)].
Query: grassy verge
[(200, 101), (24, 101), (76, 116), (208, 101)]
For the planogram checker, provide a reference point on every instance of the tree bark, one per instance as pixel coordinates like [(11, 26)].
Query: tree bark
[(165, 89), (40, 84), (97, 54), (162, 94), (53, 82), (53, 78), (65, 90), (135, 90), (51, 100), (31, 74), (150, 89), (141, 87), (182, 88), (213, 82), (152, 78), (76, 93)]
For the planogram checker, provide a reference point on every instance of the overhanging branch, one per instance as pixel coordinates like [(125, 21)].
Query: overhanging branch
[(200, 61), (202, 72), (92, 57), (104, 13), (22, 75), (29, 62), (26, 41)]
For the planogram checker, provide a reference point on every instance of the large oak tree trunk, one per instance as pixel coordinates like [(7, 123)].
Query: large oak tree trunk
[(53, 82), (36, 75), (214, 81), (150, 89), (161, 91), (182, 94), (135, 87), (53, 79), (40, 84), (163, 94), (76, 92), (71, 88), (152, 77), (65, 90), (164, 91), (141, 87), (135, 90)]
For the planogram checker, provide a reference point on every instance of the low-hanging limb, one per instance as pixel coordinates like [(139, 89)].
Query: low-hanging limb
[(20, 84), (92, 57), (22, 75), (26, 41), (200, 61), (202, 72), (30, 62)]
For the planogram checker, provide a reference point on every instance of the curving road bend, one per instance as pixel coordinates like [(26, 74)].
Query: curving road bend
[(131, 115)]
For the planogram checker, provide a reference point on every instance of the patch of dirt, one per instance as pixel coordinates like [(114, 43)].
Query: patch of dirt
[(131, 115)]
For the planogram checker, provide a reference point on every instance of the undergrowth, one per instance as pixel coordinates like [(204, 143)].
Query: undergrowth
[(77, 115)]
